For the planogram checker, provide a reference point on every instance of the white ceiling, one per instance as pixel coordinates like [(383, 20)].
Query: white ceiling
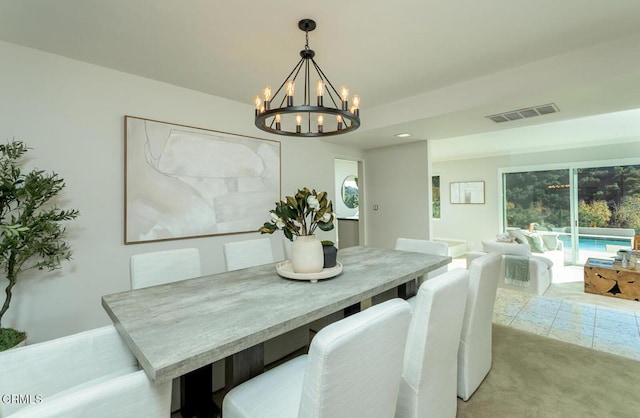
[(432, 68)]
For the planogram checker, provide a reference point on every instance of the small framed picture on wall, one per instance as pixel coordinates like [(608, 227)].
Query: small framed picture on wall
[(466, 193)]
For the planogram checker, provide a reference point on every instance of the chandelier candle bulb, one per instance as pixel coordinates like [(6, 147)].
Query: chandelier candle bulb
[(267, 93), (298, 123), (344, 94), (267, 97), (320, 91), (258, 104), (291, 86), (320, 121), (356, 105), (278, 119), (339, 118)]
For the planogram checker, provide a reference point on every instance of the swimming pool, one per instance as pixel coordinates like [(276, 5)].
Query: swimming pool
[(594, 243)]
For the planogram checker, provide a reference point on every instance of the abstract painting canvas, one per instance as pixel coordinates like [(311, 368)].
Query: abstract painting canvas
[(185, 182)]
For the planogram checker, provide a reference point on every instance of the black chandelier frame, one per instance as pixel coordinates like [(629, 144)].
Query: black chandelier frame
[(265, 115)]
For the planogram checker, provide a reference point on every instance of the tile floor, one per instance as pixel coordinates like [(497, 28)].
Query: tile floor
[(568, 314), (600, 327)]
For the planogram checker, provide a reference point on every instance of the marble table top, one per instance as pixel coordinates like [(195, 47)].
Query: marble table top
[(179, 327)]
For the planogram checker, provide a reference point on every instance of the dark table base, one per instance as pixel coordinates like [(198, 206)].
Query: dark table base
[(196, 394)]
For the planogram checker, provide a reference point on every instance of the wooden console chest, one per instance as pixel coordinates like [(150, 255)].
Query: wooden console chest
[(613, 280)]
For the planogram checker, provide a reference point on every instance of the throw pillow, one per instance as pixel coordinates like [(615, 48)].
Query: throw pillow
[(518, 235), (505, 238), (535, 242), (550, 241)]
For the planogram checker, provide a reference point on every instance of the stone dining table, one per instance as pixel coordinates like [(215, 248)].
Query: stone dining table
[(181, 328)]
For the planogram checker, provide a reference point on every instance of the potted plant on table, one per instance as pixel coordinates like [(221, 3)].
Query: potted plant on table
[(31, 234), (300, 216)]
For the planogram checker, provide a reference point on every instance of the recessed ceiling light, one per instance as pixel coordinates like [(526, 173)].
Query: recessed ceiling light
[(403, 135)]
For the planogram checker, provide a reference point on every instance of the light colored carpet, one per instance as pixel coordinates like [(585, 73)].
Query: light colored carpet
[(534, 376)]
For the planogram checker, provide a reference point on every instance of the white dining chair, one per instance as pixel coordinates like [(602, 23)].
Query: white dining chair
[(474, 352), (248, 253), (352, 370), (162, 267), (88, 374), (416, 246), (429, 370), (427, 247)]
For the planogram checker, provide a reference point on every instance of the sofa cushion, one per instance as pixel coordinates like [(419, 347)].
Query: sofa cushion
[(535, 242), (489, 246)]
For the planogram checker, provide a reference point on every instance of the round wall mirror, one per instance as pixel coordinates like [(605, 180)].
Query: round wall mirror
[(350, 192)]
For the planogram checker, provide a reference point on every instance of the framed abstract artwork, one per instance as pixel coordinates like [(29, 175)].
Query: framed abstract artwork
[(185, 182), (471, 192)]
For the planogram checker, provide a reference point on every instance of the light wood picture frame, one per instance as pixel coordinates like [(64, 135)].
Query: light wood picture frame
[(467, 193), (186, 182)]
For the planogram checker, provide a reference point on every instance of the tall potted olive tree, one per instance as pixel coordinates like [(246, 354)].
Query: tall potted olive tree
[(31, 231)]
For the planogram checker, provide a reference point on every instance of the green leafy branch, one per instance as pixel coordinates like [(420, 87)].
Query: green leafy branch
[(301, 214)]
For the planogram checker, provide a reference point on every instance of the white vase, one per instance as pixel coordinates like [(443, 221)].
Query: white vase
[(306, 254)]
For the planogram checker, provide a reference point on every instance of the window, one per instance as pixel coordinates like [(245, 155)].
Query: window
[(435, 195)]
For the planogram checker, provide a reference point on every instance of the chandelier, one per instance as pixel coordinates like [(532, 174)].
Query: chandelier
[(293, 115)]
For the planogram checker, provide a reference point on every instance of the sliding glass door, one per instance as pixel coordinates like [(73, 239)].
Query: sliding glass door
[(539, 201), (608, 209), (594, 210)]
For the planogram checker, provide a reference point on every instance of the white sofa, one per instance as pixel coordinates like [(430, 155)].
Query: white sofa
[(541, 265), (550, 246)]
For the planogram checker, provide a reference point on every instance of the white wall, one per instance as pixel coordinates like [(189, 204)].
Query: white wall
[(467, 222), (474, 223), (344, 168), (71, 114), (396, 180)]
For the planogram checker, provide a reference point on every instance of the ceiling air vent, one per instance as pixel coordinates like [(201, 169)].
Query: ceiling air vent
[(528, 112)]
